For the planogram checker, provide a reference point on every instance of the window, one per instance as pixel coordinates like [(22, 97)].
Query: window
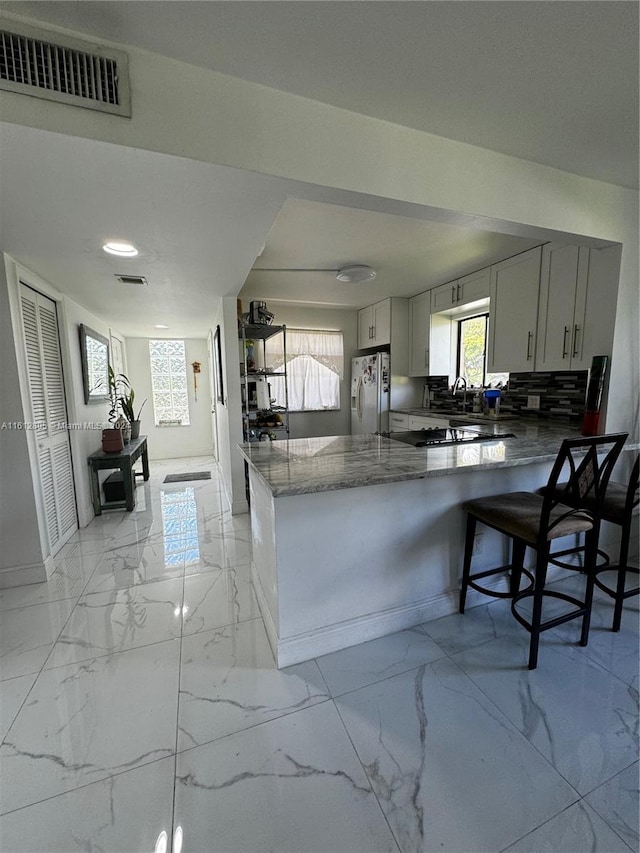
[(315, 366), (472, 352), (169, 383)]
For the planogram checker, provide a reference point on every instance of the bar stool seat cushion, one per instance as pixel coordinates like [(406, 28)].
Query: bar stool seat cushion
[(518, 514)]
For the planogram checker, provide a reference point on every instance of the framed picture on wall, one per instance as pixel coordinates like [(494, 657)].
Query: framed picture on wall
[(217, 366)]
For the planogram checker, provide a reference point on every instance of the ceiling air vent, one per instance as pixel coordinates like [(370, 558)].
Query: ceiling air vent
[(131, 279), (52, 66)]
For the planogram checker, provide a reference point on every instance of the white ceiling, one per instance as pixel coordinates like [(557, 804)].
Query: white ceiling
[(409, 255), (548, 81), (200, 227)]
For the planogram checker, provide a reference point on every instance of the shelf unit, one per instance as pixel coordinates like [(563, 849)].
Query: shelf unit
[(261, 419)]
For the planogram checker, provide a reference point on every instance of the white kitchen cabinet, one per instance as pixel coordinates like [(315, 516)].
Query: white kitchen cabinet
[(398, 421), (444, 297), (475, 286), (385, 324), (577, 313), (600, 301), (457, 294), (563, 285), (513, 316), (419, 330), (374, 325)]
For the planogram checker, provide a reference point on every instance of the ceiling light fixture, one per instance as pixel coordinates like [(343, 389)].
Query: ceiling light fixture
[(160, 326), (350, 273), (356, 273), (121, 249)]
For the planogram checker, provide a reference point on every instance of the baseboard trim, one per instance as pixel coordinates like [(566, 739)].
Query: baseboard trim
[(23, 575), (180, 454), (272, 633), (302, 647), (341, 635), (85, 515), (239, 507)]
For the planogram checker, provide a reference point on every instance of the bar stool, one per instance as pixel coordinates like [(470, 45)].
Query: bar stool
[(534, 520), (619, 507)]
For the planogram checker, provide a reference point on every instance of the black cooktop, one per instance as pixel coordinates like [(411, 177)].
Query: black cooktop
[(445, 436)]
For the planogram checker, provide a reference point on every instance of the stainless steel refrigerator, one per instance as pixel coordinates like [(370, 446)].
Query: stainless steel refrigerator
[(370, 393)]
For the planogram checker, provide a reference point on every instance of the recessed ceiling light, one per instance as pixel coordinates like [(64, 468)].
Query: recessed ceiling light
[(121, 249), (160, 326), (355, 272)]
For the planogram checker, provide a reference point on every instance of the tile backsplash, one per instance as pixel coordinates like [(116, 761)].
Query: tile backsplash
[(562, 394)]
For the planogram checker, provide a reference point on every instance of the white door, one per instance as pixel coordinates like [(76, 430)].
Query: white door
[(49, 414)]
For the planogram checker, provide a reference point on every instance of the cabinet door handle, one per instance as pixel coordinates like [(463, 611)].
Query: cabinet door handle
[(529, 341), (575, 349), (426, 357), (453, 294), (373, 331), (564, 342)]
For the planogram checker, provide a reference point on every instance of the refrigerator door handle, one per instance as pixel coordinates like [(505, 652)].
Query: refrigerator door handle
[(359, 399)]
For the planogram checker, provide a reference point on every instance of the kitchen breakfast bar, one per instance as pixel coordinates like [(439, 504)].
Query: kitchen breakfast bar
[(355, 537)]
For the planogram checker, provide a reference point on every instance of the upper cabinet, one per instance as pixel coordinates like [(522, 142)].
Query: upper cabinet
[(578, 288), (514, 313), (458, 293), (563, 288), (419, 327), (385, 324), (374, 325)]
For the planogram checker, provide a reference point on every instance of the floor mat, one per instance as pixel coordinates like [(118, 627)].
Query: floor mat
[(184, 478)]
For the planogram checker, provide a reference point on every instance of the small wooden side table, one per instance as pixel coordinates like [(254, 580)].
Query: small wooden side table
[(99, 461)]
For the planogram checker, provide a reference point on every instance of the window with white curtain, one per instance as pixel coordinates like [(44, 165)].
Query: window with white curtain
[(315, 367), (169, 382)]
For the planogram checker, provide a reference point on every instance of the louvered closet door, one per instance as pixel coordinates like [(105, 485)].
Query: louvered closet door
[(49, 412)]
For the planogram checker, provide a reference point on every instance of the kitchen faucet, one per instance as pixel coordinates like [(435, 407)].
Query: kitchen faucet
[(461, 382)]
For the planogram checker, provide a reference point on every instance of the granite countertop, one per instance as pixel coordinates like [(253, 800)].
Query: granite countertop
[(306, 465)]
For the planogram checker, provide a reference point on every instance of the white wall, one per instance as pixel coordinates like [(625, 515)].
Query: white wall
[(169, 442), (83, 441), (308, 424)]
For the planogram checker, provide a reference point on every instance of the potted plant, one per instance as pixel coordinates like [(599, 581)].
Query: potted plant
[(126, 402), (112, 438)]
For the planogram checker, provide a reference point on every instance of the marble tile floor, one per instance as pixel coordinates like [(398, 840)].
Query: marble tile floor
[(141, 710)]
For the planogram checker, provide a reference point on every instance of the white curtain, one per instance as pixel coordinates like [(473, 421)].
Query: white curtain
[(315, 366)]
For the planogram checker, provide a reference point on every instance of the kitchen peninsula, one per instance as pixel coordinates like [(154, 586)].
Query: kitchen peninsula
[(355, 537)]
